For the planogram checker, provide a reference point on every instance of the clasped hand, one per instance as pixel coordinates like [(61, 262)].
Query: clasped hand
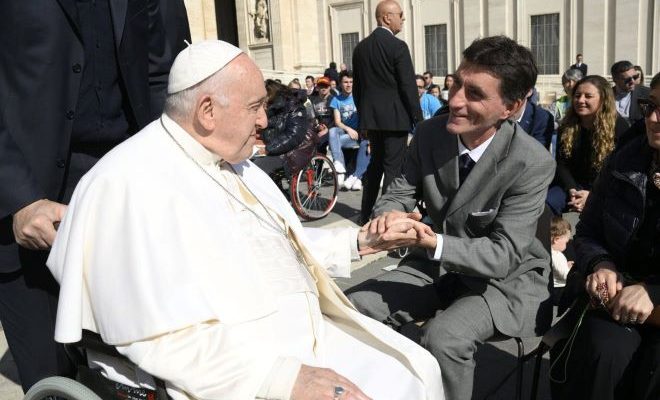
[(577, 199), (630, 304), (393, 230)]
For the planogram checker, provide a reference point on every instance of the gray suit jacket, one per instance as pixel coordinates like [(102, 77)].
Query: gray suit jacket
[(489, 223)]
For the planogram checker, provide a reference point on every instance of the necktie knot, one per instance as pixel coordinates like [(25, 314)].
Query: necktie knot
[(465, 164)]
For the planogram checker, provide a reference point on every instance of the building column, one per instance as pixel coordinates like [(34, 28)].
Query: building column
[(201, 16)]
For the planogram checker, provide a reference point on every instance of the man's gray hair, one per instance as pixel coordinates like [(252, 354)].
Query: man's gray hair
[(180, 106), (572, 75)]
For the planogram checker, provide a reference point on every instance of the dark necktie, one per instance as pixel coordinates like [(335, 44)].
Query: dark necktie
[(465, 164)]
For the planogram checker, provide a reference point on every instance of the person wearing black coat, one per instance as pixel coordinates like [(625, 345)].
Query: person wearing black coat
[(77, 78), (331, 72), (386, 98), (616, 355), (288, 123)]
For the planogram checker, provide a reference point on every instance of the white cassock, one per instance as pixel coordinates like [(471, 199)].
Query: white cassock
[(196, 289)]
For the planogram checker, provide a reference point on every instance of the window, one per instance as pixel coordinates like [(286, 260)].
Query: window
[(545, 42), (435, 40), (348, 43)]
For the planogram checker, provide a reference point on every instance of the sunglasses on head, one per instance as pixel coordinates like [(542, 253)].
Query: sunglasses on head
[(631, 79), (647, 107)]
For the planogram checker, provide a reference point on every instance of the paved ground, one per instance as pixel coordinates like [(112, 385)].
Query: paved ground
[(494, 360)]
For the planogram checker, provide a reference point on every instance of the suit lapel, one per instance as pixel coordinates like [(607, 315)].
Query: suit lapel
[(118, 11), (485, 169), (71, 11), (445, 154)]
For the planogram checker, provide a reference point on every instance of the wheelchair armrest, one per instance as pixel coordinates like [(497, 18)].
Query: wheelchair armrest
[(93, 341)]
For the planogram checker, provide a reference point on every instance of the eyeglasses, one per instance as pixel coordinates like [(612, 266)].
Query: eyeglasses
[(631, 79), (420, 87), (400, 14), (647, 107)]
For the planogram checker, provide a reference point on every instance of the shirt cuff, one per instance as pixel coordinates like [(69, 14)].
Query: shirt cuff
[(278, 385), (437, 253), (355, 254)]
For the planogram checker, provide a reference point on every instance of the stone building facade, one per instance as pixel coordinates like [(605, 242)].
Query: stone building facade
[(290, 38)]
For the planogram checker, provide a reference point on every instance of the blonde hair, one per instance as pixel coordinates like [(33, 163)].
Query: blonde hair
[(559, 227), (604, 123)]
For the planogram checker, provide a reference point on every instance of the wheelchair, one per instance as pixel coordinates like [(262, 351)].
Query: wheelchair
[(312, 190), (90, 384)]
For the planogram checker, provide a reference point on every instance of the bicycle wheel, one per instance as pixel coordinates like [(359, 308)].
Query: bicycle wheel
[(314, 189), (58, 387)]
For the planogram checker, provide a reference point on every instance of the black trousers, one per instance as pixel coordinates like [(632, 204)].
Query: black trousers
[(388, 149), (609, 361), (28, 299), (28, 306)]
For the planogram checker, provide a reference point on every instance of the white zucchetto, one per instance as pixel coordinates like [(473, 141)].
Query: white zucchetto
[(199, 61)]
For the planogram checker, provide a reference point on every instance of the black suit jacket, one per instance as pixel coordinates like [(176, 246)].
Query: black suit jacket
[(384, 85), (583, 68), (635, 114), (41, 66)]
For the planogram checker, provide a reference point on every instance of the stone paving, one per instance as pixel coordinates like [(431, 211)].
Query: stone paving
[(494, 360)]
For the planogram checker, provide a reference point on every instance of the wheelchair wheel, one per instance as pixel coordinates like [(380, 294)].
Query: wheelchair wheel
[(314, 189), (58, 387)]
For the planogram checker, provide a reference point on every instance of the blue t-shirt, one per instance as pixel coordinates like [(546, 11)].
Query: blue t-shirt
[(430, 104), (347, 110)]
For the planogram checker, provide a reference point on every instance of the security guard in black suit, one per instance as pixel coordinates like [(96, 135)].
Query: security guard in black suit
[(78, 77)]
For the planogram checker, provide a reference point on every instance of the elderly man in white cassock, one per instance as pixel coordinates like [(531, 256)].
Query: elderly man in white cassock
[(187, 258)]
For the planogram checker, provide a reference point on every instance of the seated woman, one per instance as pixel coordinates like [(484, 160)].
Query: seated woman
[(587, 136), (287, 130), (617, 349)]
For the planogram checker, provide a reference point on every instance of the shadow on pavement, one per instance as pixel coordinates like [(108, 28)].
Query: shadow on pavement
[(8, 368)]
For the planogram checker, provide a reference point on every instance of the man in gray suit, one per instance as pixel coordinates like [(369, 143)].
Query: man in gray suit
[(483, 180)]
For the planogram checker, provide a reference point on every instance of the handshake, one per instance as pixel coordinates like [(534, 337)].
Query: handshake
[(393, 230)]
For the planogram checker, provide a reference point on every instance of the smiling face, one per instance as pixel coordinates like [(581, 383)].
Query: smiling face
[(347, 84), (231, 128), (476, 105), (586, 100)]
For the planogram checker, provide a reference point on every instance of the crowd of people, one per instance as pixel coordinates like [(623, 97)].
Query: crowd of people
[(141, 212)]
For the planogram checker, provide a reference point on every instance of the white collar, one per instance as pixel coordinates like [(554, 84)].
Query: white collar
[(191, 146), (522, 114), (477, 152)]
